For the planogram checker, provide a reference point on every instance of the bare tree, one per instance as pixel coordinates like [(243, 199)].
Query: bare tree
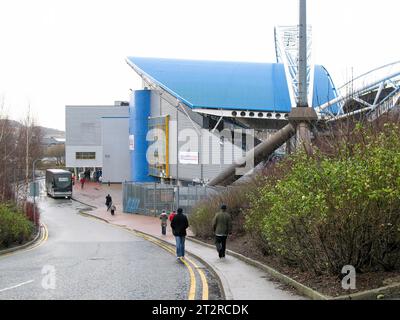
[(20, 144), (57, 152)]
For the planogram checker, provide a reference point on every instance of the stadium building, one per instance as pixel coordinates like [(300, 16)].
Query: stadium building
[(180, 127)]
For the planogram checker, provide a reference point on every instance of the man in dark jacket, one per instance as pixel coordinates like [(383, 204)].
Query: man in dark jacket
[(222, 226), (179, 225), (108, 202)]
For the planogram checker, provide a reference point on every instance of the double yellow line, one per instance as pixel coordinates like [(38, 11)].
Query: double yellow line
[(186, 261), (42, 240), (170, 248)]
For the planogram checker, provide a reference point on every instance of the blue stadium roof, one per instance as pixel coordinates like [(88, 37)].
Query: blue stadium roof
[(229, 85)]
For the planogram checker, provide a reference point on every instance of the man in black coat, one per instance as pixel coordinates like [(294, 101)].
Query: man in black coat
[(108, 202), (179, 225)]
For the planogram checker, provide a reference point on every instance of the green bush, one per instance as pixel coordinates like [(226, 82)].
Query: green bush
[(235, 198), (200, 220), (14, 226), (332, 210)]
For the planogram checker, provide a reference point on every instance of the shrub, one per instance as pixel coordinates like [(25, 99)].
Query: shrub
[(235, 198), (335, 209), (14, 226)]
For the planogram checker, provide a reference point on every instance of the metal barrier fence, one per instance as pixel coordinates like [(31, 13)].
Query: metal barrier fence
[(152, 198)]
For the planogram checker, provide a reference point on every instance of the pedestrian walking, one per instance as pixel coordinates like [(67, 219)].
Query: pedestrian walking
[(222, 226), (179, 224), (163, 218), (82, 182), (171, 216), (108, 202), (113, 208)]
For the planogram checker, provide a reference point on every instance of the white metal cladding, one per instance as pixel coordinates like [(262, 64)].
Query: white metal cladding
[(155, 101), (83, 123), (72, 162), (116, 154), (184, 120), (84, 132)]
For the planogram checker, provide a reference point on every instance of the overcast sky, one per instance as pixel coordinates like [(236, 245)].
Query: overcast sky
[(57, 53)]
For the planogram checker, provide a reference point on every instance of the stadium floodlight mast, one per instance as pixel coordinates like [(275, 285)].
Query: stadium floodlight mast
[(302, 73), (301, 115)]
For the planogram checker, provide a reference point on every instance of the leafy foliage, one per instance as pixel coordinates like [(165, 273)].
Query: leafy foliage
[(14, 226), (330, 211), (234, 197), (338, 206)]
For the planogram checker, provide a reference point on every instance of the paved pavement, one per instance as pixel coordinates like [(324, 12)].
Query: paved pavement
[(240, 280)]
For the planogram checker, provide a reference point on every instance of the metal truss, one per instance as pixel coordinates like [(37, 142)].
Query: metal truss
[(287, 53), (376, 92), (246, 114)]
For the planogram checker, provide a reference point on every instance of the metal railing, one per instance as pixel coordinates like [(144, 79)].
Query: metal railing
[(152, 198)]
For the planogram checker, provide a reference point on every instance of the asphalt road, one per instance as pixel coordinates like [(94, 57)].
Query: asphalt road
[(84, 258)]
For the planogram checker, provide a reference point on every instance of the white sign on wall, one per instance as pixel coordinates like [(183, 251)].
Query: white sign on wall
[(131, 142), (188, 157)]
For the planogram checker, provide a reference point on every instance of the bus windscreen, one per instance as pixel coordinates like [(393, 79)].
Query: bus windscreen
[(63, 181)]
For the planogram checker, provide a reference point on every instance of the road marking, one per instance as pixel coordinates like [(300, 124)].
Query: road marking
[(192, 290), (168, 247), (41, 241), (203, 280), (44, 238), (16, 286)]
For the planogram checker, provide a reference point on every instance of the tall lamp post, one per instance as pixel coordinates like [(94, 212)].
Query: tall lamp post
[(34, 189)]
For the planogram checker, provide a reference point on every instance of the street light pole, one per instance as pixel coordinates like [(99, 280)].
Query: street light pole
[(34, 190)]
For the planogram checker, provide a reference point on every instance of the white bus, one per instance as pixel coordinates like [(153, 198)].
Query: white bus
[(59, 183)]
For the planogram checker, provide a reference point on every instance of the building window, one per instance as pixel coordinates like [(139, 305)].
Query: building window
[(85, 155)]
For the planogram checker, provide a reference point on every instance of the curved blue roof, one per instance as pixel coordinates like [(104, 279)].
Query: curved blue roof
[(229, 85)]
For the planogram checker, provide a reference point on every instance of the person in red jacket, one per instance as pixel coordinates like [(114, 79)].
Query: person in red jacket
[(82, 182), (171, 216)]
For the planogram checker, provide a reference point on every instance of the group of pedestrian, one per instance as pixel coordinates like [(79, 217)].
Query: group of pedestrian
[(87, 176), (179, 223), (221, 224)]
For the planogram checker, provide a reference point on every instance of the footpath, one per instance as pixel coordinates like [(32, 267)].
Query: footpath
[(240, 280)]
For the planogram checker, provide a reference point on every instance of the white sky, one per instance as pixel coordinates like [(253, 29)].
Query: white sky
[(57, 53)]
